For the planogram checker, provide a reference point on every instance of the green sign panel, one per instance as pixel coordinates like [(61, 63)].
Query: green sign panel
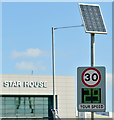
[(91, 89)]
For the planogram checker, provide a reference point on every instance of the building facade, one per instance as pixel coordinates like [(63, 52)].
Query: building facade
[(31, 96)]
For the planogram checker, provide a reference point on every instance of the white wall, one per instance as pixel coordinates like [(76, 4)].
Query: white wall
[(64, 89)]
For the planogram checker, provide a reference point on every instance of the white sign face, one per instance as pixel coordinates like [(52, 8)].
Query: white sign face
[(91, 77)]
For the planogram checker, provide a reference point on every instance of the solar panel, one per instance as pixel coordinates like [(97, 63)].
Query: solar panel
[(92, 18)]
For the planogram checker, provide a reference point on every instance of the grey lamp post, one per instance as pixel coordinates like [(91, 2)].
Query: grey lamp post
[(53, 59)]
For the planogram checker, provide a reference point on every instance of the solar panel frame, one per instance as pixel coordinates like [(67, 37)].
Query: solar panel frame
[(96, 32)]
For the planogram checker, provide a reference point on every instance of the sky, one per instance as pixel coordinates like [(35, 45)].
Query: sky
[(27, 40)]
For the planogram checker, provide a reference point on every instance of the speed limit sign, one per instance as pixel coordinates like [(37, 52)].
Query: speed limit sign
[(91, 77), (91, 95)]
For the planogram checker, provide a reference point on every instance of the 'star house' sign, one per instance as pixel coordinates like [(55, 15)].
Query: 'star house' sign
[(25, 84)]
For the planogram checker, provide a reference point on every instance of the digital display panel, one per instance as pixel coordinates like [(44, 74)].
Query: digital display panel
[(92, 18), (91, 95)]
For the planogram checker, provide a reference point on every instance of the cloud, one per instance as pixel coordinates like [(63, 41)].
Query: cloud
[(29, 66), (29, 53)]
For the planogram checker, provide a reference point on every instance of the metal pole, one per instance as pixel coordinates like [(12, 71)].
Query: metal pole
[(92, 50), (92, 60), (53, 61)]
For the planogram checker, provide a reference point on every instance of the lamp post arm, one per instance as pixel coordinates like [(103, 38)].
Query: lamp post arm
[(68, 27)]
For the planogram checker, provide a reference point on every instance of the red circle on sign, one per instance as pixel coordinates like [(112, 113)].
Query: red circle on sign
[(95, 83)]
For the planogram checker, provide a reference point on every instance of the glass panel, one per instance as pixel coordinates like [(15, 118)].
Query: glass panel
[(26, 106)]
